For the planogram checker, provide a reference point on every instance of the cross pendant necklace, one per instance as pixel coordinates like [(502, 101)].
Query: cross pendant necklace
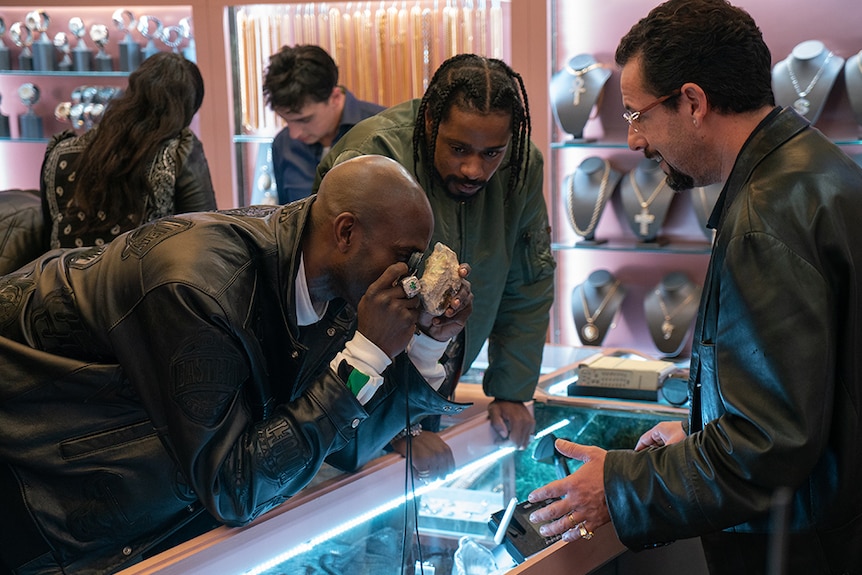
[(579, 85), (645, 218)]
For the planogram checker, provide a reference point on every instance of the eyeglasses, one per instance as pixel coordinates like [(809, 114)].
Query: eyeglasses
[(633, 117)]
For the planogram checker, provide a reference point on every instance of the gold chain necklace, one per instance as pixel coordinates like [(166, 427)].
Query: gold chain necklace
[(579, 84), (645, 218), (803, 104), (597, 208), (667, 326), (590, 331)]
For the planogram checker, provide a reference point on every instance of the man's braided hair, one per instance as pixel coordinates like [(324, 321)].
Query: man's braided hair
[(484, 85)]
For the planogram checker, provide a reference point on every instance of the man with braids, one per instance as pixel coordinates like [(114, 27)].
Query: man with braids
[(200, 368), (467, 141)]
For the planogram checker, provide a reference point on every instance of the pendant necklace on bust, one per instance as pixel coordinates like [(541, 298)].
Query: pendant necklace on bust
[(803, 104), (590, 331), (579, 84), (645, 218), (667, 326), (597, 208)]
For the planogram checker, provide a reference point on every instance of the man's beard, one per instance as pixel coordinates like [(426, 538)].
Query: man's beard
[(678, 181), (451, 182)]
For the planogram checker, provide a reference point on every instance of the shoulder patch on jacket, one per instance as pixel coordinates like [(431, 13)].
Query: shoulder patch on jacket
[(145, 238)]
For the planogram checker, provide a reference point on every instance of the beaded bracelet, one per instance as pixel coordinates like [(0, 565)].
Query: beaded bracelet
[(412, 431)]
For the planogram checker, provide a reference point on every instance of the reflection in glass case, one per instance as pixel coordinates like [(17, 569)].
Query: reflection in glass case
[(460, 505)]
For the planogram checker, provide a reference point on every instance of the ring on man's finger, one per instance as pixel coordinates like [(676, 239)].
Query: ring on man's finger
[(583, 532), (572, 520)]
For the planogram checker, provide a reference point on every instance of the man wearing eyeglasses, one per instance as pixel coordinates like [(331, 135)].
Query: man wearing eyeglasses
[(776, 383)]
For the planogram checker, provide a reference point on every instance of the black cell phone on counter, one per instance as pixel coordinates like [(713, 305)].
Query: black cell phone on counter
[(522, 537)]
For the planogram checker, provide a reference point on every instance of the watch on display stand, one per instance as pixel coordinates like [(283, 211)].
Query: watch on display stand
[(61, 43), (190, 50), (29, 123), (82, 55), (22, 36), (99, 36), (130, 51), (43, 47), (5, 58), (150, 28)]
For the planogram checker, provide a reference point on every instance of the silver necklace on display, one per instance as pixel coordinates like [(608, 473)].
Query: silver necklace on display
[(645, 218), (802, 103), (590, 331), (579, 85), (597, 208), (667, 326)]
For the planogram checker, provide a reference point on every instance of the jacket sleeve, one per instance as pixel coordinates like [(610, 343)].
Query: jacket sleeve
[(194, 188), (195, 378), (521, 326), (768, 419)]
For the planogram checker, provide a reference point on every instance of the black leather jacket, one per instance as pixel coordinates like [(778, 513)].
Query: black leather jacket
[(165, 372), (776, 380)]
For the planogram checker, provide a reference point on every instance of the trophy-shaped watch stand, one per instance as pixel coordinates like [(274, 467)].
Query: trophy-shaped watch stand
[(43, 48), (5, 59), (99, 36), (82, 56), (150, 28), (61, 43), (130, 51), (190, 50), (172, 37), (29, 124), (23, 38), (4, 124)]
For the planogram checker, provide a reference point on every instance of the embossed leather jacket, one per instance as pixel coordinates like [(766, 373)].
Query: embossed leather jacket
[(776, 374), (164, 373)]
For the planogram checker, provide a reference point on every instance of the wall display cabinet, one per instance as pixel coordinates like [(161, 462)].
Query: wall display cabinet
[(583, 37), (60, 65)]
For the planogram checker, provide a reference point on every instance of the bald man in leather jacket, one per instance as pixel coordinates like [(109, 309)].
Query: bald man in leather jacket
[(210, 363)]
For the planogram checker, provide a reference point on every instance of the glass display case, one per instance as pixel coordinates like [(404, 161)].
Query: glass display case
[(379, 521)]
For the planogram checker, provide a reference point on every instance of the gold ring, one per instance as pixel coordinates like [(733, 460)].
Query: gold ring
[(572, 519), (584, 533)]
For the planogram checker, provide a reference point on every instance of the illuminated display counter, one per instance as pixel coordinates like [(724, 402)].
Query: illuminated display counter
[(362, 523)]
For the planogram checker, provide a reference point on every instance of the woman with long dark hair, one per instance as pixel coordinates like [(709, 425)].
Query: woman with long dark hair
[(140, 163)]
